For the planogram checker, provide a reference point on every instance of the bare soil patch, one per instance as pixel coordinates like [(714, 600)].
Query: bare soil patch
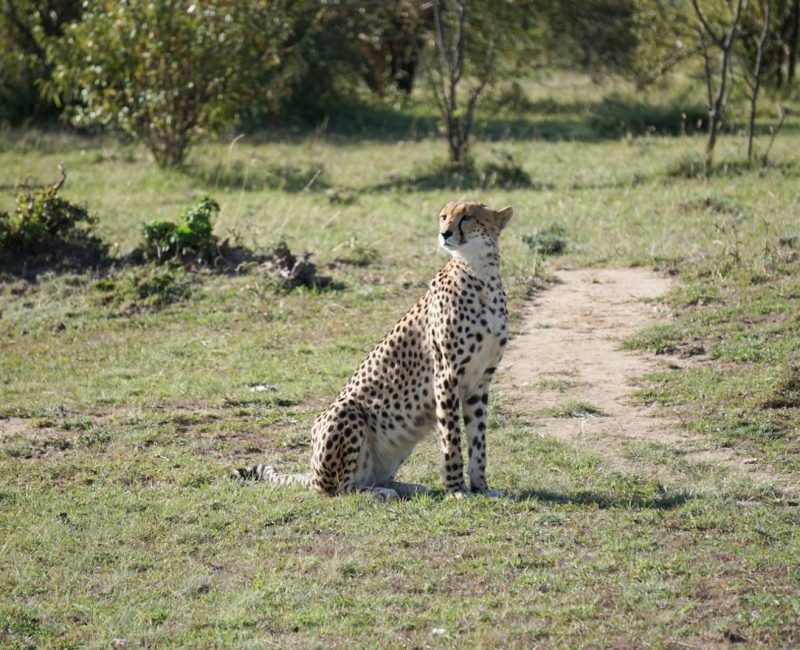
[(12, 427), (567, 356)]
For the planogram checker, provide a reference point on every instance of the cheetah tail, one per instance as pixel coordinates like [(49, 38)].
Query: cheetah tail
[(267, 473)]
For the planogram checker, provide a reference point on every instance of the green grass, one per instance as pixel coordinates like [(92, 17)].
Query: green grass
[(118, 524), (745, 391), (560, 385), (572, 409)]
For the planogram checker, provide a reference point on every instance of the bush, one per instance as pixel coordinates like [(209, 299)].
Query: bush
[(165, 71), (45, 228), (26, 29), (548, 241), (144, 288), (505, 174), (40, 214), (511, 98), (190, 240)]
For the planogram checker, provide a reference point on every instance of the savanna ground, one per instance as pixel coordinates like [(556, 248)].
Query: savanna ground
[(121, 422)]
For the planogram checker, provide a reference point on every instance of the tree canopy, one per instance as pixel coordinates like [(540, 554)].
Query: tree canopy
[(167, 71)]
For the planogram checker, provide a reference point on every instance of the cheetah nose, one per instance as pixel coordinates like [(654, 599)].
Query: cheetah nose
[(446, 234)]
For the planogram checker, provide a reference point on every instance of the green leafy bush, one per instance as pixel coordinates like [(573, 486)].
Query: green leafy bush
[(548, 241), (45, 227), (144, 288), (166, 71), (190, 240), (505, 174), (40, 214)]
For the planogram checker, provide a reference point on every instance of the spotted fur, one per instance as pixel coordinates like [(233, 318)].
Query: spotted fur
[(433, 366)]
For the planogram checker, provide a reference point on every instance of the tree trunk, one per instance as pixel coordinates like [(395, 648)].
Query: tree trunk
[(717, 104), (756, 85), (792, 45)]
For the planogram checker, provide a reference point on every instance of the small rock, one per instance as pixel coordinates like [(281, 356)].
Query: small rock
[(263, 388)]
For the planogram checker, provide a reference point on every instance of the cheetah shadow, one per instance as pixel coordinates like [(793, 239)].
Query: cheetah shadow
[(604, 501), (583, 498)]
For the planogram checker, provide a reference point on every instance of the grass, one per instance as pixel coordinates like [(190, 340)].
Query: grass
[(119, 526), (572, 409), (560, 385), (745, 395)]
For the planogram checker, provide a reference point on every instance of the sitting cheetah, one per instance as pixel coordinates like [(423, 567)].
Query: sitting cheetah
[(440, 357)]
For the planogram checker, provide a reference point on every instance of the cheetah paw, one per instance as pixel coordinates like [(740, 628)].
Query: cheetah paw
[(384, 495), (494, 494)]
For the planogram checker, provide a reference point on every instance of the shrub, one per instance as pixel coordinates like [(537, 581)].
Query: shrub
[(45, 227), (687, 167), (144, 288), (548, 241), (505, 174), (190, 240), (40, 214), (165, 71), (511, 98)]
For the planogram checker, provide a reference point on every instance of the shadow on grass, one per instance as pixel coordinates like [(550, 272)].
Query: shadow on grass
[(605, 501), (694, 167), (269, 400), (256, 178), (505, 174), (489, 178), (82, 252), (546, 120)]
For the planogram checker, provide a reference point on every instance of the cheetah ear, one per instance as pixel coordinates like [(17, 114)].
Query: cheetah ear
[(504, 216)]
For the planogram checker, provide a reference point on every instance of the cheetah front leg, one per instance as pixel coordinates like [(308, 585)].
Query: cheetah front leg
[(449, 435), (475, 406)]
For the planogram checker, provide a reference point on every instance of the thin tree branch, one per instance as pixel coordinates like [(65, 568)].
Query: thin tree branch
[(484, 78), (443, 46), (459, 67), (740, 5), (706, 68), (756, 79), (709, 30), (432, 82)]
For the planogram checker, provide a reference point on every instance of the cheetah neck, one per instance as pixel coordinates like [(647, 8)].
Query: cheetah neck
[(481, 261)]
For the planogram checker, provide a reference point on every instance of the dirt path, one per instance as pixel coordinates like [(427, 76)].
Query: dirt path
[(568, 353)]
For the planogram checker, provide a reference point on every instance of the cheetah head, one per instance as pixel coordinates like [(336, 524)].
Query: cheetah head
[(466, 227)]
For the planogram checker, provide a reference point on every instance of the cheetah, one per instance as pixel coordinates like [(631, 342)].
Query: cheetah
[(438, 359)]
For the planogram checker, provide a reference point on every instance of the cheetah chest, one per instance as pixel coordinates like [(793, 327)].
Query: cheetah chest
[(486, 340)]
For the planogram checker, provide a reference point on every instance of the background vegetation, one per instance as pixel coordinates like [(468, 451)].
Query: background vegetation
[(129, 388)]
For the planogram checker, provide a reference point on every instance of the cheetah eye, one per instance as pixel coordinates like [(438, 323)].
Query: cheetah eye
[(466, 217)]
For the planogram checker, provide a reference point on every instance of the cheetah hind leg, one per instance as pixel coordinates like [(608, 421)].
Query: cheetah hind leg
[(348, 464)]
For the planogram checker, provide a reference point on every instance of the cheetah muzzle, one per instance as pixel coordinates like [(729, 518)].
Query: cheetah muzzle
[(437, 361)]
